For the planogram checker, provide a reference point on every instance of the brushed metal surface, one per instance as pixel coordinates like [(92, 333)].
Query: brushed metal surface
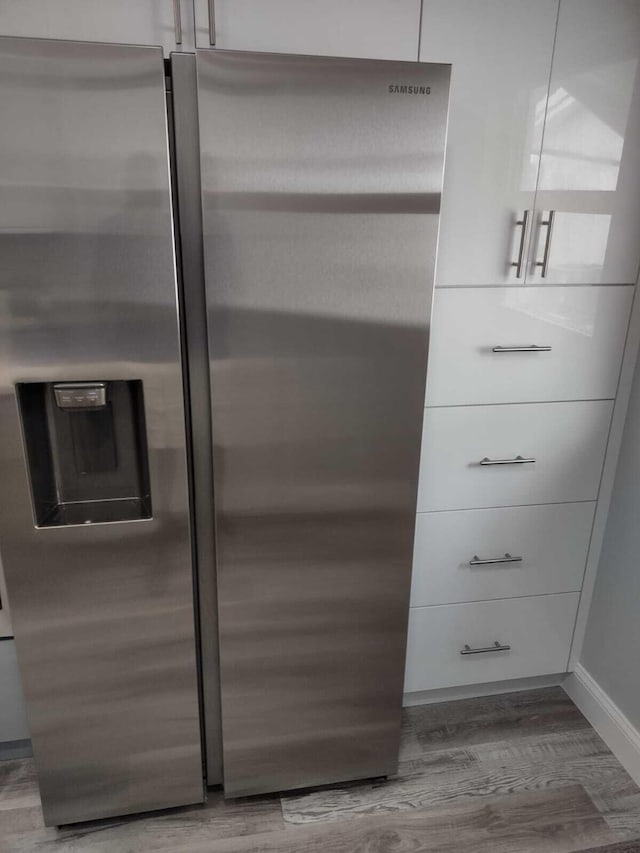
[(187, 176), (102, 613), (321, 192)]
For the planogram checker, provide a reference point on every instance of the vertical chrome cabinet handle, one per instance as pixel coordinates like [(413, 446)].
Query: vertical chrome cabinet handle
[(544, 263), (519, 262), (212, 22), (517, 460), (489, 561), (496, 647), (177, 21), (529, 348)]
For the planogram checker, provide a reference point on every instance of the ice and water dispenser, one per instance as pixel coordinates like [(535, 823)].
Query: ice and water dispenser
[(86, 450)]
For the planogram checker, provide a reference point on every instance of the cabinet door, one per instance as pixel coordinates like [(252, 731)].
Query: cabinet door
[(374, 29), (168, 23), (590, 170), (501, 55)]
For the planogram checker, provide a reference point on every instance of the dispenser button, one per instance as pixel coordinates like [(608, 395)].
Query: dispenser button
[(80, 395)]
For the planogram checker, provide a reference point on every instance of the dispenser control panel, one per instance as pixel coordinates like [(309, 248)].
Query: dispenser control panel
[(80, 395)]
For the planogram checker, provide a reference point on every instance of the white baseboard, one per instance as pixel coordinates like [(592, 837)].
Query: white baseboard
[(471, 691), (615, 729)]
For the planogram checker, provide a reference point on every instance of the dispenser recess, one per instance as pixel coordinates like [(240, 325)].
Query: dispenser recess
[(86, 451)]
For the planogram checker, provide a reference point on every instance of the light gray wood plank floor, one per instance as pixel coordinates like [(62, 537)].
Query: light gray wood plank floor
[(516, 773)]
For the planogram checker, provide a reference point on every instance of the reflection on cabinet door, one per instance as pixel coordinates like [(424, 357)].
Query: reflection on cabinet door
[(478, 554), (534, 453), (520, 345), (590, 170), (534, 635), (501, 55), (372, 29), (168, 23)]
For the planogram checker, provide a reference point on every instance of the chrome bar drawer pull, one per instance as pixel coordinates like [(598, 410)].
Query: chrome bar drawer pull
[(212, 23), (544, 263), (479, 561), (519, 262), (530, 348), (518, 460), (496, 647), (177, 21)]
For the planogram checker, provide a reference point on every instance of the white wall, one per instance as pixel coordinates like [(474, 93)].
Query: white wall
[(611, 651)]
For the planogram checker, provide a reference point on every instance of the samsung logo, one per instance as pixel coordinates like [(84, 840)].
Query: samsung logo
[(409, 90)]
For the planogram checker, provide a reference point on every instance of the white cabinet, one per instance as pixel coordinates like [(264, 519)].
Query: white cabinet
[(375, 29), (479, 554), (168, 23), (517, 345), (501, 55), (13, 715), (476, 456), (563, 147), (537, 631), (590, 169)]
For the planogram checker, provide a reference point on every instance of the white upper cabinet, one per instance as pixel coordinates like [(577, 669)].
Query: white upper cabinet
[(374, 29), (167, 23), (501, 55), (590, 167)]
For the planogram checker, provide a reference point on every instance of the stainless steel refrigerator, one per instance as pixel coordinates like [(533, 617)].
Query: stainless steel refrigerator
[(252, 412)]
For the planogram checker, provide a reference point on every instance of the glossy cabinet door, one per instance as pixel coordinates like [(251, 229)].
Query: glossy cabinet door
[(531, 344), (590, 169), (566, 441), (371, 29), (167, 23), (501, 55), (478, 554), (537, 632)]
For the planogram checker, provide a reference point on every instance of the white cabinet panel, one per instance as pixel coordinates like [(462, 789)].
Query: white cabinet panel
[(153, 22), (584, 326), (544, 549), (5, 620), (501, 55), (373, 29), (538, 630), (13, 715), (590, 170), (567, 441)]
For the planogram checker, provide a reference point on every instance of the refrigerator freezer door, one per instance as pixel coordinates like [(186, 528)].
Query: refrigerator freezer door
[(102, 612), (321, 191)]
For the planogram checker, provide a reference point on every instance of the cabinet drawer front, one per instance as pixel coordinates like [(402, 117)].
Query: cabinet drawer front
[(543, 549), (566, 440), (538, 631), (584, 327)]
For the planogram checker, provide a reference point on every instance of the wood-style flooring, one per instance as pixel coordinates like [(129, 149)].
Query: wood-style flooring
[(515, 773)]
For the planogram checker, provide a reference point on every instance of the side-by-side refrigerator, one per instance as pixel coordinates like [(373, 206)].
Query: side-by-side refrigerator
[(215, 294)]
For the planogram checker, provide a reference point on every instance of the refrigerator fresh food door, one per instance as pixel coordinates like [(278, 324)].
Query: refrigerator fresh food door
[(321, 183)]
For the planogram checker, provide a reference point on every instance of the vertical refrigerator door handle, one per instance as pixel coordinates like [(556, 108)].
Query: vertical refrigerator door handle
[(523, 224), (544, 263), (212, 22), (177, 21)]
